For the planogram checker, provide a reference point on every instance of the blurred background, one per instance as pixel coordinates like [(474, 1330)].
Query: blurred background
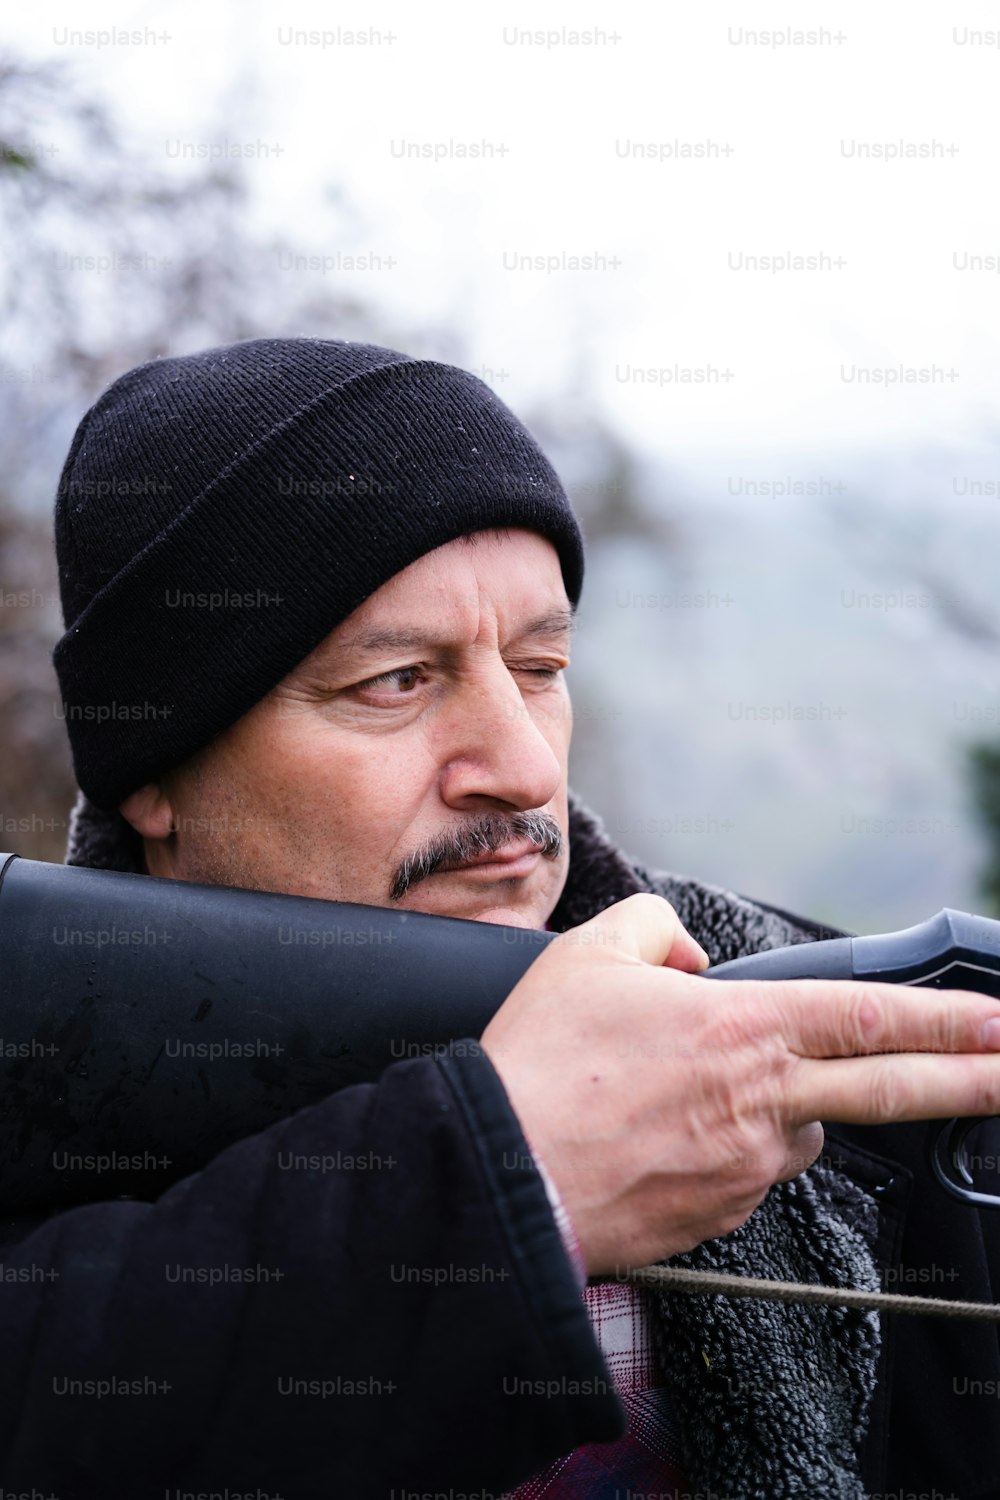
[(739, 274)]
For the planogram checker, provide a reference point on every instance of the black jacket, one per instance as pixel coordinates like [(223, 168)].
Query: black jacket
[(412, 1324)]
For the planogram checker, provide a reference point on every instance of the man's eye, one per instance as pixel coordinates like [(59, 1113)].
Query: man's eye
[(410, 674), (389, 677), (546, 673)]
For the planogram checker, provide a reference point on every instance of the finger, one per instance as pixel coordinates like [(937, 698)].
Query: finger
[(686, 954), (805, 1145), (894, 1088), (643, 926), (847, 1018)]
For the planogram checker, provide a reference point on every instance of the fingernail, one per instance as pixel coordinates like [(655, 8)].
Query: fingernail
[(991, 1032)]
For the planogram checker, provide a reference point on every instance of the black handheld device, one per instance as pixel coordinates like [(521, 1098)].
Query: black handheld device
[(954, 950), (146, 1024)]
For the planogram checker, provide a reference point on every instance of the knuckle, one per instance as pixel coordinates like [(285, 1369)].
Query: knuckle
[(745, 1021), (650, 898), (864, 1020), (986, 1099), (658, 906), (891, 1093)]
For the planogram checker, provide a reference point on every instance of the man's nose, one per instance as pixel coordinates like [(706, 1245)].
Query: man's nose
[(498, 743)]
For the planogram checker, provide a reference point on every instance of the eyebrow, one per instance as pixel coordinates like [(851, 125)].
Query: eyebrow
[(557, 622)]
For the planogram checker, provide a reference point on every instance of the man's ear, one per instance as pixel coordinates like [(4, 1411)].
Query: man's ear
[(149, 811)]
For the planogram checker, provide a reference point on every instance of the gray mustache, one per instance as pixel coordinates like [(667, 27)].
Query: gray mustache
[(490, 833)]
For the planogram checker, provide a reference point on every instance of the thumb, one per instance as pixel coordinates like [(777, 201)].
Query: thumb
[(644, 927)]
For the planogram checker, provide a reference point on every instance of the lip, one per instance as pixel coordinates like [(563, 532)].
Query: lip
[(511, 861)]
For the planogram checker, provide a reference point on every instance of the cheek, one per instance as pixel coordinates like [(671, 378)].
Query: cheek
[(356, 782)]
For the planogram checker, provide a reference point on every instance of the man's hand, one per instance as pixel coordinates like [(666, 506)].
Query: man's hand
[(664, 1107)]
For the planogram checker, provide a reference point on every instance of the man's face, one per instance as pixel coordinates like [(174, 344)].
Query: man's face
[(373, 763)]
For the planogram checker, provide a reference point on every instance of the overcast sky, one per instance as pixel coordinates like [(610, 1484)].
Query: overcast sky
[(778, 361)]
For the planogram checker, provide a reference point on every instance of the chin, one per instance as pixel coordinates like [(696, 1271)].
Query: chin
[(506, 916), (482, 910)]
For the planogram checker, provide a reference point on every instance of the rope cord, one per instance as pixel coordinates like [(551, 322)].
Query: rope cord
[(719, 1283)]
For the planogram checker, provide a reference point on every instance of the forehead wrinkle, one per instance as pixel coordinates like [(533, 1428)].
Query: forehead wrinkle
[(370, 640)]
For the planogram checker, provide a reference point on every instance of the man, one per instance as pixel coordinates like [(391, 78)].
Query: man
[(327, 592)]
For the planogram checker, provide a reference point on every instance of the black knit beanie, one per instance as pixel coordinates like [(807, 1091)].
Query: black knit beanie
[(219, 514)]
